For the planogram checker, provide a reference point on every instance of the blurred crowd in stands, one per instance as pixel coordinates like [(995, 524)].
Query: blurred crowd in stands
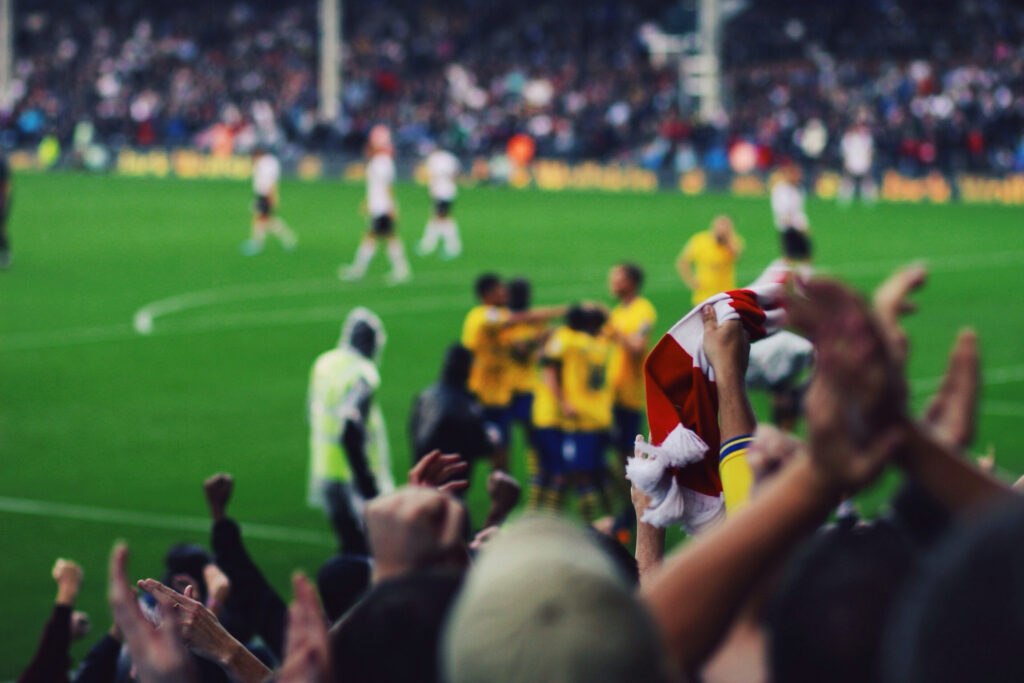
[(939, 83)]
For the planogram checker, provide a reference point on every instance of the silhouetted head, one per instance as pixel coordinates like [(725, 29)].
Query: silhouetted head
[(490, 290), (576, 318), (826, 618), (457, 362), (518, 294), (392, 635), (963, 619), (796, 244), (595, 319), (363, 332), (342, 580), (186, 559)]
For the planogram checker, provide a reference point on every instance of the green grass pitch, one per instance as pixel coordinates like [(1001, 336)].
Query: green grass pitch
[(95, 417)]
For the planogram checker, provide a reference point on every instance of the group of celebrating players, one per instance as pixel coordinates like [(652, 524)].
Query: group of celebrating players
[(576, 387)]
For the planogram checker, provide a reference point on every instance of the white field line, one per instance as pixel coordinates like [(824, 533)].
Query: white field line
[(29, 341), (144, 318), (152, 520), (578, 288), (940, 264), (989, 377), (1004, 408)]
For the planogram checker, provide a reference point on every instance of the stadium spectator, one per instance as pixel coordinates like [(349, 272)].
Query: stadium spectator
[(394, 633), (936, 81), (52, 659), (254, 604)]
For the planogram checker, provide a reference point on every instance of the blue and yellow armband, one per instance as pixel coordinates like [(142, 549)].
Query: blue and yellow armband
[(734, 471)]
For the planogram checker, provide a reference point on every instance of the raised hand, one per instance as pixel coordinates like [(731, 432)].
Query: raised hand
[(68, 576), (201, 632), (726, 346), (197, 626), (306, 655), (505, 492), (445, 472), (891, 302), (158, 654), (951, 413), (218, 587), (856, 404), (218, 490), (413, 528), (987, 463)]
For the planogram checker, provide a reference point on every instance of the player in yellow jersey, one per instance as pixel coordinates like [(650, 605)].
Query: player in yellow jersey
[(707, 263), (523, 341), (548, 481), (482, 335), (629, 328), (576, 378)]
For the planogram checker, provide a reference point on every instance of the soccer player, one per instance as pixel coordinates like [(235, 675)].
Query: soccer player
[(791, 221), (779, 364), (442, 169), (5, 207), (707, 263), (547, 440), (629, 329), (349, 460), (380, 204), (523, 341), (788, 200), (482, 334), (576, 373), (858, 149), (266, 172)]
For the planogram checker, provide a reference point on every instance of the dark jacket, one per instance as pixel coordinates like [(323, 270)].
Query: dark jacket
[(449, 418)]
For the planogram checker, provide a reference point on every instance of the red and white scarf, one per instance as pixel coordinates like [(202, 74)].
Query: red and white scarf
[(678, 467)]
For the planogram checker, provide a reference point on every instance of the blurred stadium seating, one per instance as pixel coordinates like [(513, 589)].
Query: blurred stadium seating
[(574, 75)]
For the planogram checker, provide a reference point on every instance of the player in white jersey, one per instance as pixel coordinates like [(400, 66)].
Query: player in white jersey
[(380, 204), (442, 170), (778, 364), (266, 172), (858, 149), (790, 216), (788, 200)]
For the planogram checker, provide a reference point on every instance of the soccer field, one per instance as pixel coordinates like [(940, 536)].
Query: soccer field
[(107, 434)]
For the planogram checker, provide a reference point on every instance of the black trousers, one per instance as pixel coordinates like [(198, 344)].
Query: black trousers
[(345, 519)]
